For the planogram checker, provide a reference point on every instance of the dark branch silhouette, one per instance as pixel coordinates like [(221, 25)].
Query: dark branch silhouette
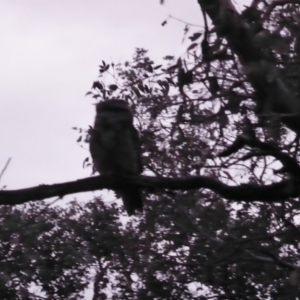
[(239, 35), (246, 192), (290, 164)]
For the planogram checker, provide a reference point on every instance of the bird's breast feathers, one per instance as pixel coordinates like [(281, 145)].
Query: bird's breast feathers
[(114, 150)]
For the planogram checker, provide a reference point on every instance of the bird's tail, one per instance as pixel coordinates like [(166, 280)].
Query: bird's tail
[(132, 199)]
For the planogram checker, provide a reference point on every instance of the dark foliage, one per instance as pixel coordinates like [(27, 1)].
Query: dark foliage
[(187, 244)]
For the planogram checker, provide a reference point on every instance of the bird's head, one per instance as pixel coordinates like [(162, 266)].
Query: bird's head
[(114, 110)]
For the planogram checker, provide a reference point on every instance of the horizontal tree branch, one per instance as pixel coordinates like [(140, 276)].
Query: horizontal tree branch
[(245, 192)]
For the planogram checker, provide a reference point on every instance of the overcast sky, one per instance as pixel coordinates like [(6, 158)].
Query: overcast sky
[(50, 52)]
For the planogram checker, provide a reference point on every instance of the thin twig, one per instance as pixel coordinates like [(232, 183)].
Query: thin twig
[(5, 167), (187, 23), (49, 204)]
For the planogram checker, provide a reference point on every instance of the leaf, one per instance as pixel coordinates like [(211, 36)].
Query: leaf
[(104, 68), (195, 36), (164, 85), (228, 175), (136, 91), (184, 78), (179, 63), (213, 84), (88, 93), (149, 68), (171, 69), (85, 162), (170, 81), (154, 112), (147, 89), (141, 87), (192, 46), (179, 114), (128, 98), (97, 85), (113, 87), (157, 67)]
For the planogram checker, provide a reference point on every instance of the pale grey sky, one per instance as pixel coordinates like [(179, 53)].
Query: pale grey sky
[(50, 52)]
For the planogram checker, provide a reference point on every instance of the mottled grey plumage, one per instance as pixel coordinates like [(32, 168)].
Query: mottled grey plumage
[(115, 148)]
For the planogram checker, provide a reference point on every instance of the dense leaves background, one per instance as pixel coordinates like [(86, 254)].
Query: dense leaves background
[(197, 115)]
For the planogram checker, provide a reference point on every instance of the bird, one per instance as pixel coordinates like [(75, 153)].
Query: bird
[(116, 149)]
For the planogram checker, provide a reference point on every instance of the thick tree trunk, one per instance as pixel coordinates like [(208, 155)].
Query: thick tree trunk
[(272, 92)]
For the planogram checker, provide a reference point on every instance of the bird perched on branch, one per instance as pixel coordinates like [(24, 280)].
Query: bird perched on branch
[(115, 148)]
